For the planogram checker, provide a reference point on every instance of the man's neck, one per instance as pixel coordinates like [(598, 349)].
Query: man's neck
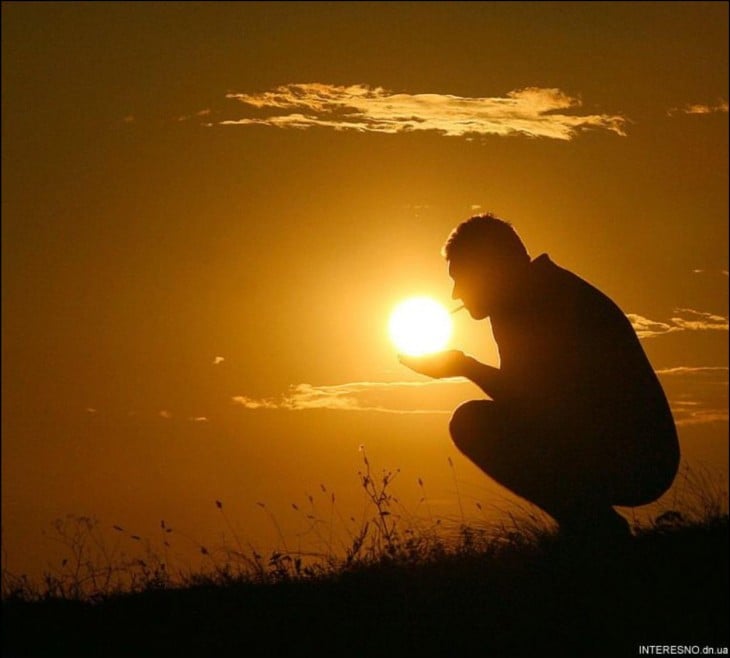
[(516, 298)]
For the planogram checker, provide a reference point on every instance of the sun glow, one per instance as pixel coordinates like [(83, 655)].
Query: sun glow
[(419, 325)]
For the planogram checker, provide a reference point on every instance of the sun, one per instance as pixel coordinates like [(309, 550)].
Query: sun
[(419, 325)]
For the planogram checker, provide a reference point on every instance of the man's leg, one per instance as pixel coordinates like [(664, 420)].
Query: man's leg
[(509, 452), (526, 459), (649, 459)]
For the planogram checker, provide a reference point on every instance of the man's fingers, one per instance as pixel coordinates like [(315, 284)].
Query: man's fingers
[(414, 363)]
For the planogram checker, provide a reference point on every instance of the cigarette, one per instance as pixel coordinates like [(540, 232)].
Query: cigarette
[(458, 308)]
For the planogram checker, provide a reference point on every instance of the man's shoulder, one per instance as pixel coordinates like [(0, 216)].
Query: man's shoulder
[(545, 269), (556, 282)]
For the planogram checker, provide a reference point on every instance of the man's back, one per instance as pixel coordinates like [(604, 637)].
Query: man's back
[(568, 339), (577, 369)]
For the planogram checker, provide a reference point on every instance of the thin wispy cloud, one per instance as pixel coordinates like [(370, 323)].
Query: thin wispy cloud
[(202, 113), (710, 272), (691, 413), (698, 321), (696, 394), (531, 112), (693, 370), (686, 319), (383, 397), (699, 108), (646, 328)]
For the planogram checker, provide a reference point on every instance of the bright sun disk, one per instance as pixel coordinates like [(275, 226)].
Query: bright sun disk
[(419, 325)]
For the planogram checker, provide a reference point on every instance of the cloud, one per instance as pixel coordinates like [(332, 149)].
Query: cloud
[(646, 328), (696, 394), (254, 403), (686, 319), (699, 321), (532, 111), (202, 113), (692, 370), (697, 108), (384, 397)]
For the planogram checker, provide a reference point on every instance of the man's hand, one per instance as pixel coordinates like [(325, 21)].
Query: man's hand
[(450, 363)]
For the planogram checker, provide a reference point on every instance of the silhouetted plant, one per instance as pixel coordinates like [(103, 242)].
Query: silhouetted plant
[(94, 567)]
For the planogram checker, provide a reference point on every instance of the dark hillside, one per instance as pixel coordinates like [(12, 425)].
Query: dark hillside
[(668, 586)]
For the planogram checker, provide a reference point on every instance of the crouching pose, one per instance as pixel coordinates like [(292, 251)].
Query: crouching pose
[(578, 421)]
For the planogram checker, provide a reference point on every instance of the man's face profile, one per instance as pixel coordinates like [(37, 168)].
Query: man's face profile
[(472, 285)]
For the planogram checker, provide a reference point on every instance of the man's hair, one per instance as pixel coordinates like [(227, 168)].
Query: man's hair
[(485, 236)]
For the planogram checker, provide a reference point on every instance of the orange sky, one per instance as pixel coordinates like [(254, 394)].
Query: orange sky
[(209, 210)]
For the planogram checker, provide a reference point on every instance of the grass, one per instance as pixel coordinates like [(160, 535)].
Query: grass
[(401, 586)]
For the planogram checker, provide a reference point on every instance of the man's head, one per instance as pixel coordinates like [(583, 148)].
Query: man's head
[(486, 260)]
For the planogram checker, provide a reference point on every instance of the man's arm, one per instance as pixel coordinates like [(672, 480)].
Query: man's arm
[(488, 378), (454, 363)]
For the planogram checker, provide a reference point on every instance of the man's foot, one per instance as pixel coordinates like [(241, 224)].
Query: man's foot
[(604, 525)]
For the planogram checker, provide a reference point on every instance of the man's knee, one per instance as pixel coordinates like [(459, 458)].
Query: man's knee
[(469, 423), (647, 481)]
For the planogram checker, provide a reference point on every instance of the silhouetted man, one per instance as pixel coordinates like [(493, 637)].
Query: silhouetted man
[(578, 421)]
